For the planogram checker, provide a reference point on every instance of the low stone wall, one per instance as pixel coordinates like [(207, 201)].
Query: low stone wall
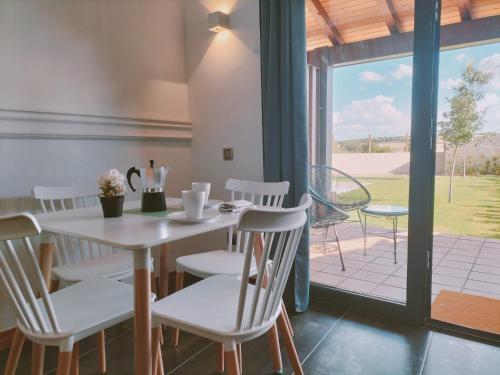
[(379, 164)]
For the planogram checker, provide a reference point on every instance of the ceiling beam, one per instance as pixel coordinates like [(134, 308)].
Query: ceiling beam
[(457, 35), (465, 9), (321, 15), (390, 15)]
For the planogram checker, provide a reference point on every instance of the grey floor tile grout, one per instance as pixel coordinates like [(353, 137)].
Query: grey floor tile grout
[(324, 336), (427, 350), (190, 358)]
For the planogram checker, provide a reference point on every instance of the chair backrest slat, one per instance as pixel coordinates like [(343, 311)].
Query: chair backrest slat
[(69, 251), (23, 281), (268, 194), (276, 233)]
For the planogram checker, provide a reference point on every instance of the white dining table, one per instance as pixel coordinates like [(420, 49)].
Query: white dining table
[(134, 232)]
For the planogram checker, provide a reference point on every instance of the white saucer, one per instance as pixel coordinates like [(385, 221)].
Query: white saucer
[(180, 217), (212, 203)]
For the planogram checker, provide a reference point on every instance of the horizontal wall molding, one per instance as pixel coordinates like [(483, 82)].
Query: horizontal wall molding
[(52, 125)]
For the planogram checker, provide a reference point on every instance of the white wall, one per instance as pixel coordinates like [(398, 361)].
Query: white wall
[(223, 74), (121, 58), (102, 57)]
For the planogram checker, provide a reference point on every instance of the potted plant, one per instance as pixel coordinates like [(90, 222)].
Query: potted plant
[(112, 190)]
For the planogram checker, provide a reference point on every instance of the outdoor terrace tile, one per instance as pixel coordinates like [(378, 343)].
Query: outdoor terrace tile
[(317, 266), (355, 264), (460, 258), (399, 282), (491, 256), (488, 262), (483, 286), (327, 259), (360, 286), (469, 252), (492, 240), (492, 245), (369, 276), (337, 270), (387, 261), (448, 271), (448, 280), (401, 272), (390, 292), (359, 257), (454, 264), (387, 270), (326, 278), (486, 269), (488, 277)]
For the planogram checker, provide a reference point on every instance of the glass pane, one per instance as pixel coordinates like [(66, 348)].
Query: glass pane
[(466, 251), (360, 71)]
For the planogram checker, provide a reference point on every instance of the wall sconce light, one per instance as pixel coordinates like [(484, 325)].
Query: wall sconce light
[(218, 21)]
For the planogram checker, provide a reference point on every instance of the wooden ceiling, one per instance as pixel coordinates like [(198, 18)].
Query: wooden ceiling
[(335, 22)]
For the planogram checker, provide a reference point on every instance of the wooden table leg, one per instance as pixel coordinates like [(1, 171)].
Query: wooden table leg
[(142, 316), (47, 249), (163, 271)]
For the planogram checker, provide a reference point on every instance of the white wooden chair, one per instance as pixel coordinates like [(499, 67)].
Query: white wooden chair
[(230, 311), (230, 261), (78, 259), (62, 318)]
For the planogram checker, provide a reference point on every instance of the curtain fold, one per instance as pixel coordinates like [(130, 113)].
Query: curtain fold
[(284, 118)]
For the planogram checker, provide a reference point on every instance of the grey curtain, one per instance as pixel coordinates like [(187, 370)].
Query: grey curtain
[(284, 118)]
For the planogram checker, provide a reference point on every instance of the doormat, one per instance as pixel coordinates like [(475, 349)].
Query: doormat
[(467, 310)]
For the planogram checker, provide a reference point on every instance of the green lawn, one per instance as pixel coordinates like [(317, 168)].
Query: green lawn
[(475, 210)]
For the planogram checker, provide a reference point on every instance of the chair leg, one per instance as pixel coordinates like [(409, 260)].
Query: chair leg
[(75, 360), (101, 352), (289, 346), (325, 236), (240, 357), (64, 363), (153, 284), (231, 359), (274, 345), (179, 284), (220, 357), (16, 348), (37, 359), (155, 352), (287, 318), (161, 371), (338, 245)]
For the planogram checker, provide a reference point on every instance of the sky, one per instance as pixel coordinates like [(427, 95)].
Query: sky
[(376, 97)]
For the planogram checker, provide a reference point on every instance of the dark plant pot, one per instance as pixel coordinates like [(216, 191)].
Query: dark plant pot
[(112, 207)]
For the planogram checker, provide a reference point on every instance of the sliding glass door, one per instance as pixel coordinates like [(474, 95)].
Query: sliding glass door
[(466, 247), (362, 151)]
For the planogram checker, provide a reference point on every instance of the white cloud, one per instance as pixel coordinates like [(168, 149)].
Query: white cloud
[(449, 83), (491, 104), (492, 64), (377, 116), (461, 57), (403, 71), (369, 76)]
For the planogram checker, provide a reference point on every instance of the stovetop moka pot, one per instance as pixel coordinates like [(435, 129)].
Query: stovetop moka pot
[(153, 183)]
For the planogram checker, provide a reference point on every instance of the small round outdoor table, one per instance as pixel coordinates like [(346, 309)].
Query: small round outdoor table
[(392, 212)]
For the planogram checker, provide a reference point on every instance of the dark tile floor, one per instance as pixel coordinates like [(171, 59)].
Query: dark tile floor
[(329, 340)]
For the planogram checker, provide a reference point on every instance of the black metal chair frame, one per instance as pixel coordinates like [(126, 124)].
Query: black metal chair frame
[(339, 211)]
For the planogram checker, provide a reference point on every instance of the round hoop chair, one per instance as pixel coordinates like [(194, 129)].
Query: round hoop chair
[(334, 194)]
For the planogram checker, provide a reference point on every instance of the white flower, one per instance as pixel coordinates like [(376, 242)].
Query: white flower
[(112, 184)]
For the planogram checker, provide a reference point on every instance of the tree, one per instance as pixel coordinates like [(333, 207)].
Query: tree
[(464, 121)]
